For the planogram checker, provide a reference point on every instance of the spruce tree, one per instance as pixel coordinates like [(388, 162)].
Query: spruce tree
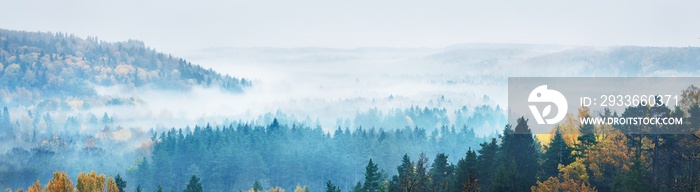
[(193, 185), (440, 173), (331, 188), (557, 153), (373, 177), (518, 156), (121, 184)]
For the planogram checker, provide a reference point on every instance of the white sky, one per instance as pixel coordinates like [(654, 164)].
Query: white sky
[(181, 26)]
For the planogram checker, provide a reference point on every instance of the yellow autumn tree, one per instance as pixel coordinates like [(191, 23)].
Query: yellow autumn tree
[(90, 182), (111, 185), (572, 177), (36, 187), (59, 183), (301, 189), (568, 129), (550, 185), (276, 189), (608, 157)]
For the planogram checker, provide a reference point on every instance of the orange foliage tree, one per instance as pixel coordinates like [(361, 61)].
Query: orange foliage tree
[(59, 183)]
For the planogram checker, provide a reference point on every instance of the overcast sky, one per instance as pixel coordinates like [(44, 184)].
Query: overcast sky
[(181, 26)]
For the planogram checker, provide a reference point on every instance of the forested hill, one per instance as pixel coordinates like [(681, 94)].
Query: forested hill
[(44, 64)]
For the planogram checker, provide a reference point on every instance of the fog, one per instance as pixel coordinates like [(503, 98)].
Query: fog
[(327, 86)]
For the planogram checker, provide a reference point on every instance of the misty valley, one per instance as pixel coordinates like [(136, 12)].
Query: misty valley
[(82, 114)]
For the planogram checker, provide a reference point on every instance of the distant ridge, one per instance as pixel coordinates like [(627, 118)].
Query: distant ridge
[(41, 64)]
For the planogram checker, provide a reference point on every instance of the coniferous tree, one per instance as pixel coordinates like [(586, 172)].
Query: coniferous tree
[(557, 153), (257, 186), (440, 173), (637, 179), (586, 139), (518, 158), (472, 184), (373, 177), (358, 187), (193, 185), (422, 177), (331, 188), (406, 178), (466, 168), (121, 184), (486, 163), (7, 123)]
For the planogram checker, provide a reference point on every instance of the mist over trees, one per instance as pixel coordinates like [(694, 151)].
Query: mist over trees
[(52, 138), (236, 156), (38, 66)]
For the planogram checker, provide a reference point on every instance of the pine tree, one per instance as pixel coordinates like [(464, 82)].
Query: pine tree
[(486, 163), (472, 184), (257, 186), (331, 188), (357, 187), (193, 185), (518, 155), (121, 184), (422, 178), (405, 180), (557, 153), (586, 139), (466, 167), (636, 179), (440, 173), (373, 177)]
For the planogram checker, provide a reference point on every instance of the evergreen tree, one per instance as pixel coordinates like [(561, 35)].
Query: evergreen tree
[(472, 185), (440, 173), (636, 179), (518, 155), (121, 184), (422, 178), (557, 153), (504, 178), (373, 178), (5, 123), (193, 185), (466, 167), (586, 139), (357, 187), (486, 163), (331, 188), (257, 186), (405, 180)]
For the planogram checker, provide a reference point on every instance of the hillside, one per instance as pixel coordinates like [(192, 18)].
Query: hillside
[(41, 65)]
